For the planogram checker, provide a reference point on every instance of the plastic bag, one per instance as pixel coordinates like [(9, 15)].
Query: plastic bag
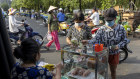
[(74, 41), (49, 36)]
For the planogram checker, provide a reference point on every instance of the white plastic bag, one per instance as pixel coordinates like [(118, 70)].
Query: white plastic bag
[(49, 36)]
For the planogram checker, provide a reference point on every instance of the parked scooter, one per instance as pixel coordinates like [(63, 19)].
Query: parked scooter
[(124, 53), (63, 29), (28, 33), (15, 38)]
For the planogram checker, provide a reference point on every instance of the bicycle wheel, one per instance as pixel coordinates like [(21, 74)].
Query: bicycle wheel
[(39, 39)]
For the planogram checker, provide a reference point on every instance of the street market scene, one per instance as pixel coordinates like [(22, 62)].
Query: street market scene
[(70, 39)]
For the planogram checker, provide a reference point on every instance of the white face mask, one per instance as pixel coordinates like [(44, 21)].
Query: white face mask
[(79, 24), (54, 11)]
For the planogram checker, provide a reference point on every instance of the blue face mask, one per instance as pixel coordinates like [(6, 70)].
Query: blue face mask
[(110, 23)]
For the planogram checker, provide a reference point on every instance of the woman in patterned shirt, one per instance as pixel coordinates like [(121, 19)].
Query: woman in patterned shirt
[(113, 36), (79, 31), (29, 54)]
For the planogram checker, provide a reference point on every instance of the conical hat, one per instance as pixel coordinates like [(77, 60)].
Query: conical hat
[(51, 8), (11, 11)]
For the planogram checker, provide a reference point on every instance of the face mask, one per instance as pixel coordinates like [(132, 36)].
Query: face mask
[(54, 11), (79, 24), (110, 23)]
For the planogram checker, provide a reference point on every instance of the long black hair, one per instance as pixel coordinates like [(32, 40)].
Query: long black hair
[(28, 51)]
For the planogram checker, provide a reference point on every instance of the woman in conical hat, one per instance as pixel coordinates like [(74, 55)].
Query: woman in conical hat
[(13, 23), (53, 28), (52, 8)]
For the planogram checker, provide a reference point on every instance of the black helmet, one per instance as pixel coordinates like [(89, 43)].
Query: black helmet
[(110, 14)]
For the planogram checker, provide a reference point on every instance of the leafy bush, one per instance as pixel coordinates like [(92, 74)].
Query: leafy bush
[(5, 6)]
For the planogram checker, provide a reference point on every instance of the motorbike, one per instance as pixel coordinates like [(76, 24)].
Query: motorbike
[(63, 28), (93, 31), (124, 53), (14, 37), (28, 33)]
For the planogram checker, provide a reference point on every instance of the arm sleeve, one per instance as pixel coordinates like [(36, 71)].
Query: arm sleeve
[(92, 16), (97, 38), (124, 39), (17, 21), (89, 35), (49, 19)]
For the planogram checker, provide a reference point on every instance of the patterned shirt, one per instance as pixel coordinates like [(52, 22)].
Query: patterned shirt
[(111, 37), (36, 72), (84, 34), (52, 20)]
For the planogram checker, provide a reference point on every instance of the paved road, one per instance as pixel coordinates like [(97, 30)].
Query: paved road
[(130, 69)]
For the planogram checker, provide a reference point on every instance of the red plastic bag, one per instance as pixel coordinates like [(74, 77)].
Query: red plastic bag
[(98, 47)]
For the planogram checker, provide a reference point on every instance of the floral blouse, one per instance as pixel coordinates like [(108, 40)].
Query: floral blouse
[(36, 72), (84, 34)]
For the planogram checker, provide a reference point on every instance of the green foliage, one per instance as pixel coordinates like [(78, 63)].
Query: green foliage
[(127, 28), (105, 4), (30, 4), (138, 4), (16, 4), (139, 27), (5, 6), (47, 3), (70, 5), (123, 3)]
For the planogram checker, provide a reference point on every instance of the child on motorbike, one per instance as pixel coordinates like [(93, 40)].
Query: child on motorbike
[(26, 26)]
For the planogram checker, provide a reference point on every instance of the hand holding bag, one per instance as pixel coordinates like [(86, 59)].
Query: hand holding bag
[(49, 36)]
